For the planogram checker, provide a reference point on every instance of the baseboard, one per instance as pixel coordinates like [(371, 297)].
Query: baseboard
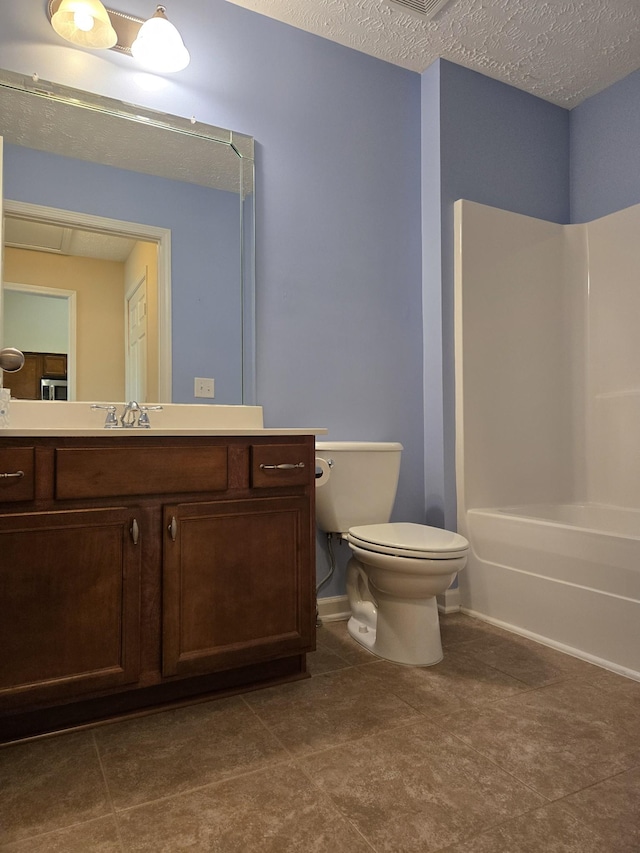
[(449, 601), (334, 609)]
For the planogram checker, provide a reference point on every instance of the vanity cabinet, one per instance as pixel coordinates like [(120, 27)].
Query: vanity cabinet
[(140, 571)]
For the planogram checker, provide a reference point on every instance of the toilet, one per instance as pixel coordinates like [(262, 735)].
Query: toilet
[(397, 568)]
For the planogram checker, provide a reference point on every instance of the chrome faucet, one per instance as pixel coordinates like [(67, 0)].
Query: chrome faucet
[(128, 417), (130, 413)]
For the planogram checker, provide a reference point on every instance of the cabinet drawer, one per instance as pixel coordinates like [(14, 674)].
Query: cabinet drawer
[(274, 465), (13, 486), (88, 472)]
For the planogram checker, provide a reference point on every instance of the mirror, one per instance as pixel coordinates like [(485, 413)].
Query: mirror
[(96, 190)]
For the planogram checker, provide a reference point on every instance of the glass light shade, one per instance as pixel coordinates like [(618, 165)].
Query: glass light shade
[(85, 23), (159, 46)]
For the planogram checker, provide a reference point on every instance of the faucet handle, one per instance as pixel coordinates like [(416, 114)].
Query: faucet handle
[(110, 422), (143, 419)]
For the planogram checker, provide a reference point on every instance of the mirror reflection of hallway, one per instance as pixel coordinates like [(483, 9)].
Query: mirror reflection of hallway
[(97, 266), (43, 319)]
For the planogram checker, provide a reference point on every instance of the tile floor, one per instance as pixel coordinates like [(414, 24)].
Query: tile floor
[(505, 747)]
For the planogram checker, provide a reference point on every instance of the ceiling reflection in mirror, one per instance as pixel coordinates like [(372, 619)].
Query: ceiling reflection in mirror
[(84, 170)]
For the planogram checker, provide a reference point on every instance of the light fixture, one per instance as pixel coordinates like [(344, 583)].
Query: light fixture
[(85, 23), (155, 43), (159, 45)]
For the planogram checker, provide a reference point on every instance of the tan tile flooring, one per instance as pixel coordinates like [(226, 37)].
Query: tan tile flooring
[(504, 747)]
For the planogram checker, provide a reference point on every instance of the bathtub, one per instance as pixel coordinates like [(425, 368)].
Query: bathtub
[(567, 575)]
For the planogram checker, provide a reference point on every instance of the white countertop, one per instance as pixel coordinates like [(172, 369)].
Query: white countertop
[(43, 432), (40, 418)]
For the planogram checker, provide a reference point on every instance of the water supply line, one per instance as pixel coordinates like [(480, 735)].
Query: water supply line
[(327, 578)]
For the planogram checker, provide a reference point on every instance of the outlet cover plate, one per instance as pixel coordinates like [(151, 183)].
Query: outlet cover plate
[(203, 387)]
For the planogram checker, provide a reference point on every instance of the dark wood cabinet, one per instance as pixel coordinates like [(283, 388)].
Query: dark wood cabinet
[(232, 571), (54, 365), (70, 603), (141, 571), (25, 383)]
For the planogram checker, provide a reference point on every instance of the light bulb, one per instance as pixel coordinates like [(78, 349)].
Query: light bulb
[(83, 20), (159, 46), (85, 23)]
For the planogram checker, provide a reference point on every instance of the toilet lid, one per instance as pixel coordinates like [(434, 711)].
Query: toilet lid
[(405, 539)]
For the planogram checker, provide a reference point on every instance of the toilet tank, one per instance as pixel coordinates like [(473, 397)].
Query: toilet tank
[(358, 484)]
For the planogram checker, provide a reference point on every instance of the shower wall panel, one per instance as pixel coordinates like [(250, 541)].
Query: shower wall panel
[(514, 348), (613, 359)]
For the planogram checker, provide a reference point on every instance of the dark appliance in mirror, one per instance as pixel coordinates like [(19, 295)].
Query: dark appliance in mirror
[(53, 389)]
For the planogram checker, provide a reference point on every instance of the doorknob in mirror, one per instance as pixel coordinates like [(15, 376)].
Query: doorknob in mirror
[(11, 359)]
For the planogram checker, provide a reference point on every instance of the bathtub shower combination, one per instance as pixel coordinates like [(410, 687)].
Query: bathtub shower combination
[(548, 428)]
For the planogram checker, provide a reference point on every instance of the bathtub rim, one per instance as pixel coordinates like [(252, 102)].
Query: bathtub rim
[(523, 512), (494, 592)]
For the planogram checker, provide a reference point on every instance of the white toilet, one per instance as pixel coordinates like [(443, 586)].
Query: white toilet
[(397, 569)]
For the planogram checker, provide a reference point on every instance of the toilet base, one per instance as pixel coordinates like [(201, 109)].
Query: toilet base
[(364, 634), (405, 631)]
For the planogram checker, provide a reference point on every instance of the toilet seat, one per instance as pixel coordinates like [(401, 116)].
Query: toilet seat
[(406, 539)]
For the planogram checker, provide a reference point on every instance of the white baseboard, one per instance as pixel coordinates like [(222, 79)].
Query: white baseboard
[(335, 609), (449, 601)]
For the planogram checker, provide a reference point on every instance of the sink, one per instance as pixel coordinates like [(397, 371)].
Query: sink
[(52, 417)]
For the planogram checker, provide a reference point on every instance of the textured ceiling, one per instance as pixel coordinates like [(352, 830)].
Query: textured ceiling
[(23, 233), (560, 50)]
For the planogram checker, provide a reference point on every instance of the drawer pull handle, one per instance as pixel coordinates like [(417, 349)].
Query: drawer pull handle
[(284, 466), (135, 531), (173, 528), (16, 475)]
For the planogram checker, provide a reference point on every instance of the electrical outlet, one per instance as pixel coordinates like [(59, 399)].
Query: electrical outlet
[(203, 387)]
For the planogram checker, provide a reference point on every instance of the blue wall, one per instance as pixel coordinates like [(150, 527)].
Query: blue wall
[(605, 146), (496, 146), (436, 476)]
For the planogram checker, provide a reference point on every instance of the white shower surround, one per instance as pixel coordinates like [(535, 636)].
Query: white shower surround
[(548, 428)]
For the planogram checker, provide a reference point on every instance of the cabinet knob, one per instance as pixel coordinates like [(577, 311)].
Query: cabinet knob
[(173, 528), (135, 531)]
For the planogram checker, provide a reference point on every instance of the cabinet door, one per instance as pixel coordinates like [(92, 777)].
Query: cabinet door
[(238, 583), (25, 383), (69, 604), (54, 365)]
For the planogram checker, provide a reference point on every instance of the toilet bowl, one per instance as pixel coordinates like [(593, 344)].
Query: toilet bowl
[(392, 580), (396, 569)]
